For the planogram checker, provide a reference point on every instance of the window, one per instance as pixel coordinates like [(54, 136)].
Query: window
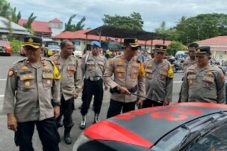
[(216, 140)]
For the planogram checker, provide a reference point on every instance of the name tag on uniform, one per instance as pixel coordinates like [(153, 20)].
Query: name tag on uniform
[(26, 77), (48, 75), (208, 79)]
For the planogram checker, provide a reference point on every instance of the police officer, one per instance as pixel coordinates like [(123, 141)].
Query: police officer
[(191, 60), (192, 48), (68, 66), (159, 79), (128, 79), (93, 66), (203, 82), (31, 84)]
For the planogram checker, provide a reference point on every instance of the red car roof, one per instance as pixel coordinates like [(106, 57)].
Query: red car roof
[(146, 126)]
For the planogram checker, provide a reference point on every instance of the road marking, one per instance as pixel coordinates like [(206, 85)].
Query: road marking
[(2, 79), (1, 96)]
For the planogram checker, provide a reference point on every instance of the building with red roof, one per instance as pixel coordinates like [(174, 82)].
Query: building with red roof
[(45, 28), (218, 46)]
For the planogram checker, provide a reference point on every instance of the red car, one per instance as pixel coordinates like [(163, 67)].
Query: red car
[(177, 127), (5, 48)]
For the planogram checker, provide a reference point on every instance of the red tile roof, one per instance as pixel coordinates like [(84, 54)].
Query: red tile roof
[(215, 40), (37, 26), (81, 35), (56, 20)]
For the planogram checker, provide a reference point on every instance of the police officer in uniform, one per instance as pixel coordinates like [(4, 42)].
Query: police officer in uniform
[(128, 78), (191, 60), (93, 66), (203, 82), (31, 85), (159, 79), (69, 68), (192, 48)]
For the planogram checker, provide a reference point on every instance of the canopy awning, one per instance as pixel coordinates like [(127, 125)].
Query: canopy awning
[(111, 31)]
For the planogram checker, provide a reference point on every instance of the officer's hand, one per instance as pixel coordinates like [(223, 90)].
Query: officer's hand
[(124, 90), (56, 111), (75, 95), (166, 102), (140, 103), (12, 122)]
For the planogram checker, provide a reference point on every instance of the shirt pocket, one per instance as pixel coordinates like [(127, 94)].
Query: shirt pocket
[(163, 74), (27, 81), (47, 80), (208, 81), (148, 74), (120, 72), (135, 71), (90, 66), (71, 70), (101, 66), (191, 79)]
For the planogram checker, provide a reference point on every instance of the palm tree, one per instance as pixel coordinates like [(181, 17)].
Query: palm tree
[(72, 27)]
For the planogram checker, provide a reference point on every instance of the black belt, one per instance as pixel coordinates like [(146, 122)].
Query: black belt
[(94, 78)]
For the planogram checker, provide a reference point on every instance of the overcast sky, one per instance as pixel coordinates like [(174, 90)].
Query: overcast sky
[(153, 11)]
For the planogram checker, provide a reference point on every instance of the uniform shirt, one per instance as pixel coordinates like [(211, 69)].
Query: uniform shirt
[(93, 66), (203, 85), (126, 74), (159, 80), (188, 62), (71, 75), (29, 90)]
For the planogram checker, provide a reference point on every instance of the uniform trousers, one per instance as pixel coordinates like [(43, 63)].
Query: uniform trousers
[(48, 134), (150, 103), (92, 88), (67, 107), (117, 107)]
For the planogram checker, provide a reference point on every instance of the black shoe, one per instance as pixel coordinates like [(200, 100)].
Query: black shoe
[(96, 119), (59, 124), (68, 139)]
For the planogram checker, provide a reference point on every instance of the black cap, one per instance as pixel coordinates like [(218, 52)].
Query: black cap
[(161, 48), (33, 41), (131, 42), (204, 50)]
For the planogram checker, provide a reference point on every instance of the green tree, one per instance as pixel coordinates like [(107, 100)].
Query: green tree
[(134, 21), (162, 29), (29, 22), (5, 9), (69, 26), (200, 27), (15, 16), (174, 47)]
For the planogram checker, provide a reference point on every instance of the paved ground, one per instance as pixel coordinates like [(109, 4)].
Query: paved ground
[(6, 139)]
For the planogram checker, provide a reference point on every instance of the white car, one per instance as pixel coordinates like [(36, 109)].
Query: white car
[(78, 53)]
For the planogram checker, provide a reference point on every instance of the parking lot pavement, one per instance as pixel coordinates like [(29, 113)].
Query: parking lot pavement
[(6, 139)]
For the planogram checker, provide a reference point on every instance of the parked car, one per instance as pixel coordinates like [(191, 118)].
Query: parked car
[(51, 50), (78, 53), (178, 127), (5, 48)]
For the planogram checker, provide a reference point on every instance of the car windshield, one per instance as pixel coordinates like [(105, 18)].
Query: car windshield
[(214, 141)]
